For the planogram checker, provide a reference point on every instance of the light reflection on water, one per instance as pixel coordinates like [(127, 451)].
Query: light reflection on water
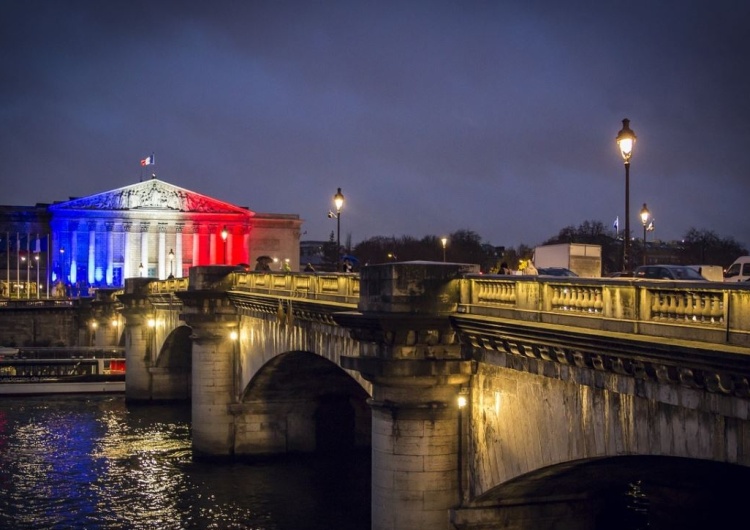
[(93, 462)]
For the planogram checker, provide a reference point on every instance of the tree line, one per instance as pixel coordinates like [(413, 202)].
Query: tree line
[(697, 247)]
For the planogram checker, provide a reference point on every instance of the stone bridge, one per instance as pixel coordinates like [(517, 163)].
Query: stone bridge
[(488, 401)]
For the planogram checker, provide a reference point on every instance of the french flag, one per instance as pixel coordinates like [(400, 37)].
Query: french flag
[(148, 161)]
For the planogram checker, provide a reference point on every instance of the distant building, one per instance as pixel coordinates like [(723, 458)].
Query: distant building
[(150, 229)]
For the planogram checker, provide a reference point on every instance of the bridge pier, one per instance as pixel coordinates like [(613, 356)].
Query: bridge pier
[(147, 377), (139, 340), (214, 322), (412, 358)]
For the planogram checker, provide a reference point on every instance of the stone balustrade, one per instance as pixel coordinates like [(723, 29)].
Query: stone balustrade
[(321, 286), (704, 311)]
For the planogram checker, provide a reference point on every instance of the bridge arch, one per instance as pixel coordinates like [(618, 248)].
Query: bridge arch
[(299, 401), (170, 372), (620, 492), (176, 350)]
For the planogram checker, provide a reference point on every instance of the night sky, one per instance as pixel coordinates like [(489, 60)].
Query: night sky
[(498, 117)]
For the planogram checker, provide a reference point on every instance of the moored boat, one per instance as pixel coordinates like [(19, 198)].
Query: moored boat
[(60, 371)]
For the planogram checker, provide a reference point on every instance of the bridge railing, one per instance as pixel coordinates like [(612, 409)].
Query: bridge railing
[(170, 285), (340, 288), (703, 311)]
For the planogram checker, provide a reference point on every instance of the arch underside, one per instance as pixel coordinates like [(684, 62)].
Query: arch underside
[(306, 390), (662, 491)]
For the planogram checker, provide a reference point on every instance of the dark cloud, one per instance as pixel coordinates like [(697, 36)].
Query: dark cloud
[(497, 117)]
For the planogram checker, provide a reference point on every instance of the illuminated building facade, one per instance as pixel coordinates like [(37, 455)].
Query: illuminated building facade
[(149, 229)]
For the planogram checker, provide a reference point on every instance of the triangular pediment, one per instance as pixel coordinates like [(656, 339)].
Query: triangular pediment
[(153, 194)]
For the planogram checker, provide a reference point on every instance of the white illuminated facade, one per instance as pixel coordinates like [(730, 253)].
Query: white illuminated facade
[(151, 229)]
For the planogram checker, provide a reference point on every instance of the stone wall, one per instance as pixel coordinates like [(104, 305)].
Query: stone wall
[(46, 326)]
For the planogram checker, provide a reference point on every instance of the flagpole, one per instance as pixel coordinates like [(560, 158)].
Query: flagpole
[(18, 265), (7, 260), (28, 281), (47, 271)]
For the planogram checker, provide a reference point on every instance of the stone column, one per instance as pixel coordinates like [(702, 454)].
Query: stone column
[(229, 259), (212, 244), (178, 250), (108, 278), (127, 254), (144, 250), (92, 254), (411, 355), (196, 245), (162, 252), (73, 252)]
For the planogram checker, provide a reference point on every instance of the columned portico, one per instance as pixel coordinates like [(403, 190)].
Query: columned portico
[(102, 239)]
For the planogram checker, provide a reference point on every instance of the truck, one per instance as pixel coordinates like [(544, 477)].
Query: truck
[(584, 260)]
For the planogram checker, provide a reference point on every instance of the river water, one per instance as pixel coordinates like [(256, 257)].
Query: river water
[(83, 462)]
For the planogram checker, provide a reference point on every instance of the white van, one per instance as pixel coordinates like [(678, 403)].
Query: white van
[(739, 271)]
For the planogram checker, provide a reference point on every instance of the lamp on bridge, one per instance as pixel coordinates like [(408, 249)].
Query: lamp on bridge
[(626, 141), (444, 241), (233, 336), (36, 264), (645, 214), (338, 201), (224, 235), (171, 263)]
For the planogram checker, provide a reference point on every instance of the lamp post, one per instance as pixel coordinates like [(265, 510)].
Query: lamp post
[(171, 263), (62, 266), (224, 235), (338, 201), (625, 141), (233, 336), (36, 264), (444, 241), (645, 214), (116, 325)]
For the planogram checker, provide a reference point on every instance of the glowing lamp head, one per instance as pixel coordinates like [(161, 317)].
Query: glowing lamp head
[(626, 140), (233, 335), (645, 214), (338, 200), (461, 401)]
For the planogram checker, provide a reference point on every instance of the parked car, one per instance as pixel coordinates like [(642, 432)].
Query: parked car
[(620, 274), (556, 271), (668, 272), (739, 271)]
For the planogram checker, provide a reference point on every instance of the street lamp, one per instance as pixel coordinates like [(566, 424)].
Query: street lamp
[(62, 265), (36, 264), (224, 235), (626, 141), (233, 336), (338, 201), (444, 241), (171, 263), (645, 214)]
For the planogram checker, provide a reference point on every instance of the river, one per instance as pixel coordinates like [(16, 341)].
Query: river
[(83, 462)]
